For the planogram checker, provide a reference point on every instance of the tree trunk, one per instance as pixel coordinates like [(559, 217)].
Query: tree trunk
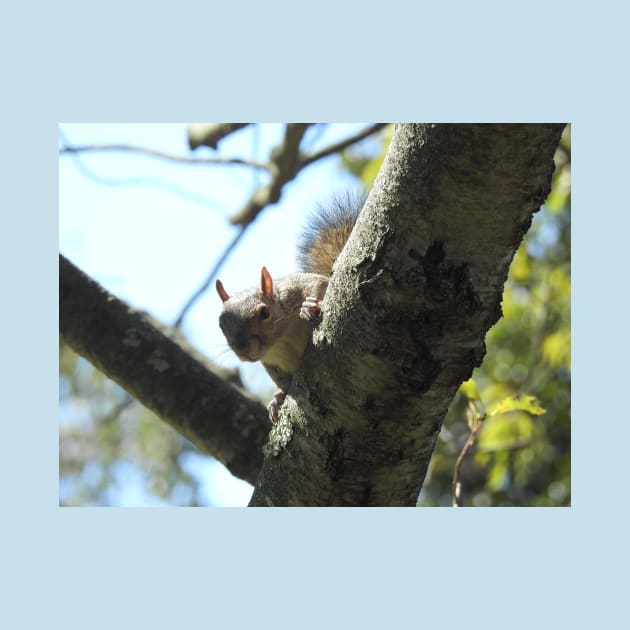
[(406, 313)]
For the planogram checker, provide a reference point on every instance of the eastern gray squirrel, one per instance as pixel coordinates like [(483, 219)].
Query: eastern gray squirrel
[(272, 323)]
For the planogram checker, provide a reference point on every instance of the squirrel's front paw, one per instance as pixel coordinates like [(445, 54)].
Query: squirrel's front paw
[(311, 308), (275, 404)]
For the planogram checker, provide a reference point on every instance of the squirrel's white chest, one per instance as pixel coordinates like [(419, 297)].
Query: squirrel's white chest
[(286, 353)]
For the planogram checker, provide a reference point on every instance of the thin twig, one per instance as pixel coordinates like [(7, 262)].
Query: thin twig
[(341, 145), (172, 189), (130, 148), (456, 488), (215, 270)]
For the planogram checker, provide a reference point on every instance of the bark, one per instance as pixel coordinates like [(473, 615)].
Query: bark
[(407, 310), (158, 368)]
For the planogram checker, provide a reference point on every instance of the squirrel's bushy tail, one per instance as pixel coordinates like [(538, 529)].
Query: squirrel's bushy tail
[(327, 231)]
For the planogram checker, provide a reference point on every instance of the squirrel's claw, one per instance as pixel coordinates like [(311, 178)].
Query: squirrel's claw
[(311, 308), (275, 404)]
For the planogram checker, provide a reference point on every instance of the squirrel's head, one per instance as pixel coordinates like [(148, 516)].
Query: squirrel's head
[(249, 318)]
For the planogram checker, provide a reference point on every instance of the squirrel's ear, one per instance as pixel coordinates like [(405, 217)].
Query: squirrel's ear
[(221, 291), (266, 283)]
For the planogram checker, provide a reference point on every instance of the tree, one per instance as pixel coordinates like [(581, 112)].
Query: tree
[(409, 305)]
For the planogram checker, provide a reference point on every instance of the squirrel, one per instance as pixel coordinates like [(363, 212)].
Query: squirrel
[(272, 323)]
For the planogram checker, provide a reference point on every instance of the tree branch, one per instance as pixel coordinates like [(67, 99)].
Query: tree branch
[(406, 312), (341, 145), (163, 372), (210, 134), (162, 155), (284, 165)]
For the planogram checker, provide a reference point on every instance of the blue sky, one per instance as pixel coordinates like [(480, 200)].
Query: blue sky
[(151, 235)]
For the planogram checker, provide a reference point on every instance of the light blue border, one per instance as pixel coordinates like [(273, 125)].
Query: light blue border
[(311, 568)]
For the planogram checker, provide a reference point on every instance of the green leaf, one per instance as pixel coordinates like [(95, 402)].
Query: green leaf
[(556, 348), (469, 389), (506, 432), (523, 402)]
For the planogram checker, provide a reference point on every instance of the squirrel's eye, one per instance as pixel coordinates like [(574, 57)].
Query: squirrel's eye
[(264, 313)]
